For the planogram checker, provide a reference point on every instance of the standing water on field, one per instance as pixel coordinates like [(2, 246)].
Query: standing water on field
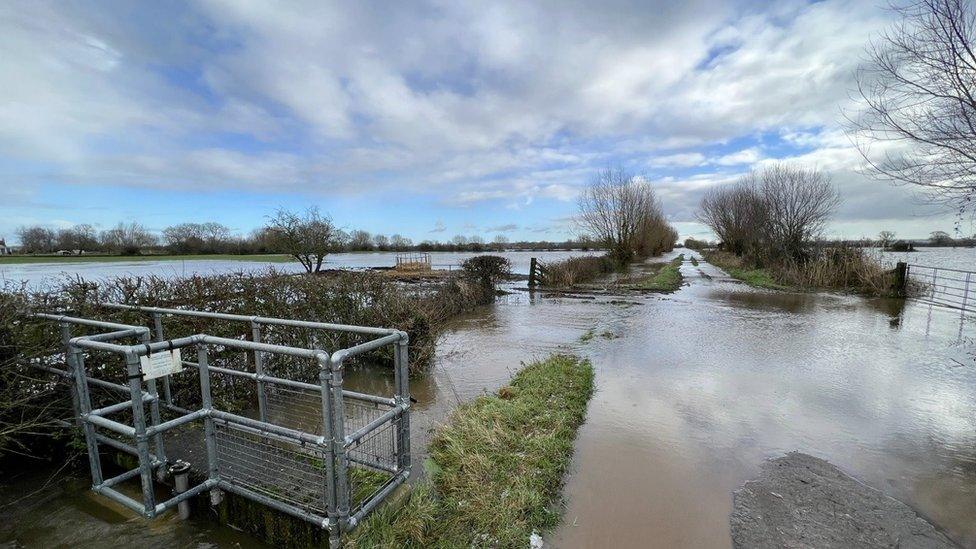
[(694, 390)]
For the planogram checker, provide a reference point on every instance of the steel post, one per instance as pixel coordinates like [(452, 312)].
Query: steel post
[(154, 415), (209, 432), (68, 361), (325, 378), (338, 440), (402, 382), (181, 480), (84, 403), (158, 336), (134, 372), (259, 370)]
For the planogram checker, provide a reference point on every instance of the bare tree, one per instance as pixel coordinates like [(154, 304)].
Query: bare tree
[(360, 240), (919, 96), (885, 239), (736, 214), (399, 242), (940, 238), (308, 237), (37, 239), (799, 202), (772, 213), (128, 238), (621, 211)]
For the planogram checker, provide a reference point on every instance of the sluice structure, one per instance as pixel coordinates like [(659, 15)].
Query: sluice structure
[(258, 411)]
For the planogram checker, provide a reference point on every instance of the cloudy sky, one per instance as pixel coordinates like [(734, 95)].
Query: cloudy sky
[(429, 119)]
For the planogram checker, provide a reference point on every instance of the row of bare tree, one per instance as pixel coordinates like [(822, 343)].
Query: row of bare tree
[(771, 214), (216, 238), (620, 211)]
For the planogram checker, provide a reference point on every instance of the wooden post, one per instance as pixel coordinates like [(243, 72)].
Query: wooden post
[(532, 268), (901, 278)]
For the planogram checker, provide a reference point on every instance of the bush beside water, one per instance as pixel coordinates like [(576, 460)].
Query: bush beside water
[(365, 299), (835, 268)]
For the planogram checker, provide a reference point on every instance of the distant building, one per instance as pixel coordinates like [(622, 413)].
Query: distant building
[(4, 249)]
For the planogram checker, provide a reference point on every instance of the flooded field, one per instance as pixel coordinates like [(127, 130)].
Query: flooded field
[(945, 257), (40, 274), (694, 390)]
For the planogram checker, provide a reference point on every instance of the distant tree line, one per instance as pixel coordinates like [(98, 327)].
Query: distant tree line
[(318, 230)]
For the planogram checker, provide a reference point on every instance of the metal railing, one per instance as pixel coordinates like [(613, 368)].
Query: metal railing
[(315, 451), (952, 288)]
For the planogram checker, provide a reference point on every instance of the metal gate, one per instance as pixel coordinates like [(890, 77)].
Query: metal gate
[(953, 288), (308, 448)]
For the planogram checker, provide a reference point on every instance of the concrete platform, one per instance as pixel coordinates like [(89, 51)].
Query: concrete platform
[(801, 501)]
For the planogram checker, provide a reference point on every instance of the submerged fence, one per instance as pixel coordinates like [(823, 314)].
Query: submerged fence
[(307, 447)]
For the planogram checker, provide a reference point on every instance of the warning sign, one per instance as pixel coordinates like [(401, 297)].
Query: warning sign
[(161, 364)]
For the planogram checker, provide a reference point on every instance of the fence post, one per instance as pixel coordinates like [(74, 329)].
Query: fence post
[(155, 416), (69, 366), (77, 359), (134, 372), (259, 370), (158, 327), (339, 440), (328, 446), (402, 379), (532, 268), (901, 278), (210, 435)]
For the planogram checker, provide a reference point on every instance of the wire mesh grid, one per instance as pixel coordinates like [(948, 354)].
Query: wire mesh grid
[(378, 448), (299, 409), (372, 457), (287, 471)]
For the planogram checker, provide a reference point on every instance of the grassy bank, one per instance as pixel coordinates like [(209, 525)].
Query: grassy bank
[(496, 467), (667, 279), (841, 269), (27, 259), (577, 270)]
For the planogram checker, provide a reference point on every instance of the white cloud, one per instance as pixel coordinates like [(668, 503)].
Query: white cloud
[(680, 160), (506, 101), (745, 156)]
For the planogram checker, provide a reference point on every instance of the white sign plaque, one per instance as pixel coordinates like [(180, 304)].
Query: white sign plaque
[(161, 363)]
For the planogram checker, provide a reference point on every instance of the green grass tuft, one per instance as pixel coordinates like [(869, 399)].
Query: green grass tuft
[(668, 279), (759, 278), (498, 466)]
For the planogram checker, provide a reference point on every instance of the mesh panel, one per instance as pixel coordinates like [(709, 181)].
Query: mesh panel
[(298, 409), (286, 471)]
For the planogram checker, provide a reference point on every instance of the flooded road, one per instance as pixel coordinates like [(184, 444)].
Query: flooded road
[(694, 390), (708, 382)]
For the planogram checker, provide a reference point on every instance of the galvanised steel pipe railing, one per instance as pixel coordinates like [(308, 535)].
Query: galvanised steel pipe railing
[(338, 448)]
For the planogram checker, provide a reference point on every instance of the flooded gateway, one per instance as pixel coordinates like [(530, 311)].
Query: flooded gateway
[(694, 391)]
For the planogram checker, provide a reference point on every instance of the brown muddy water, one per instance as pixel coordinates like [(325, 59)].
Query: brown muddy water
[(694, 390)]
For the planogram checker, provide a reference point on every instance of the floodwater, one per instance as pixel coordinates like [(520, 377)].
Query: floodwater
[(39, 275), (694, 390), (944, 257)]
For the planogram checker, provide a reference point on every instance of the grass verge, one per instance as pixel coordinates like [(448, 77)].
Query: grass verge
[(739, 270), (668, 279), (496, 467), (758, 278)]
